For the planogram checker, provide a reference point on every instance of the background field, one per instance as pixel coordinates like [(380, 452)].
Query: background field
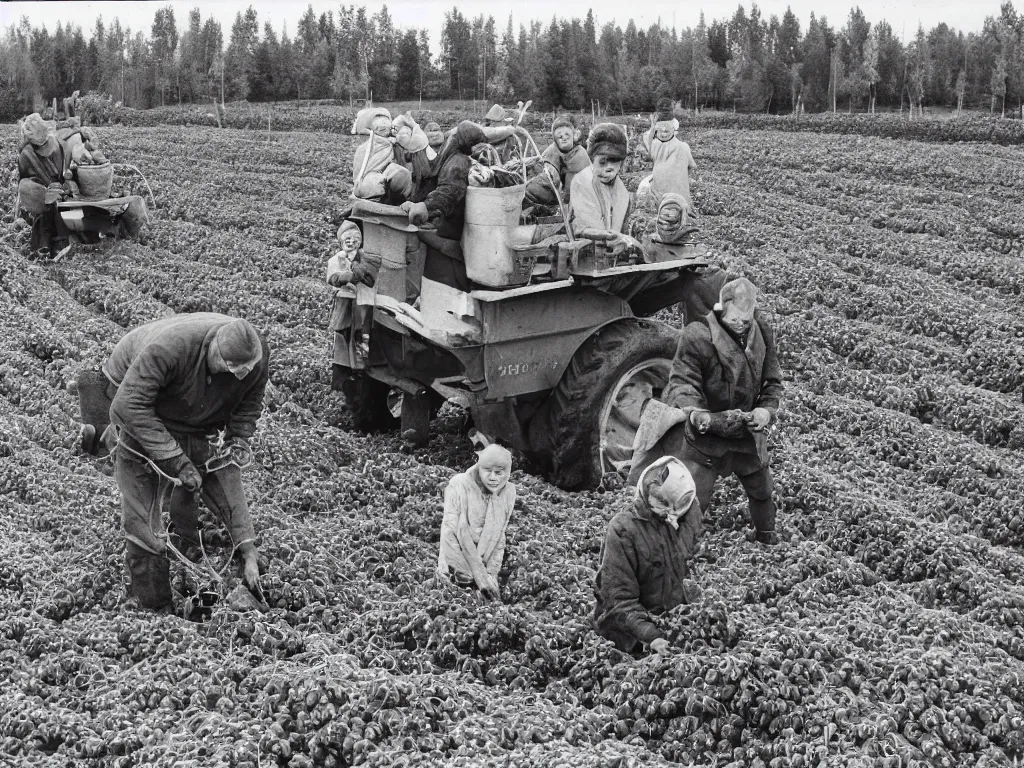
[(886, 629)]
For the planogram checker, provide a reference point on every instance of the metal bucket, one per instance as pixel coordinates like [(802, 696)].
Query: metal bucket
[(390, 245), (492, 216)]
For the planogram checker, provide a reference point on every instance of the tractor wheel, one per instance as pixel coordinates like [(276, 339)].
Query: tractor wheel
[(367, 401), (595, 408)]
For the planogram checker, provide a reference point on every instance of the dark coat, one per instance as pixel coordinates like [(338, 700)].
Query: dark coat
[(165, 386), (712, 372), (642, 573)]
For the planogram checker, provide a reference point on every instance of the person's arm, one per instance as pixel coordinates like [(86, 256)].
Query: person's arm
[(366, 267), (620, 588), (648, 138), (450, 193), (690, 163), (243, 418), (772, 388), (134, 406), (498, 133), (339, 270), (685, 388)]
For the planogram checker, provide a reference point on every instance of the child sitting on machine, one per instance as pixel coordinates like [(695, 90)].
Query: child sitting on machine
[(354, 273), (600, 200), (375, 174), (561, 161)]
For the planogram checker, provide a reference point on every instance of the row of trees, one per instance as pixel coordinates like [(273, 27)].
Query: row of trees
[(745, 62)]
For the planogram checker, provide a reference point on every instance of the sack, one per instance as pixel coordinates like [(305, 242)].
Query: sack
[(95, 181)]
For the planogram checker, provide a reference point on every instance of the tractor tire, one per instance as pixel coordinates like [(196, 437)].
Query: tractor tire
[(593, 412), (367, 401)]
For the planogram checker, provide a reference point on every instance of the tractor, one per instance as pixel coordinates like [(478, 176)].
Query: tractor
[(557, 366)]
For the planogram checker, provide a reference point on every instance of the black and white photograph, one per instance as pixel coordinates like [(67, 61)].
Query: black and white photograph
[(541, 385)]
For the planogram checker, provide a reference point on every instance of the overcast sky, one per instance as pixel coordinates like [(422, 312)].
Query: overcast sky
[(901, 14)]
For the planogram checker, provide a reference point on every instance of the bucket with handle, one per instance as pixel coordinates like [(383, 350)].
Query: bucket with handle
[(492, 216)]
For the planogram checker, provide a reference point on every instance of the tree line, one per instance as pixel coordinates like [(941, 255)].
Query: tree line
[(743, 63)]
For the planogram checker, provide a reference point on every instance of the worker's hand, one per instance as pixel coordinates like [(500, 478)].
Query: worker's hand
[(360, 274), (54, 194), (418, 213), (758, 419), (339, 279), (251, 572), (490, 588), (240, 450), (700, 420), (190, 477), (660, 646)]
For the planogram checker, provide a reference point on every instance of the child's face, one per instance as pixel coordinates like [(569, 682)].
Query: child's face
[(664, 130), (493, 473), (563, 137), (606, 169), (351, 240), (381, 126)]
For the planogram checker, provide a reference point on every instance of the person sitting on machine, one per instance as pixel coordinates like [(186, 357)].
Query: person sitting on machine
[(600, 201), (44, 180), (354, 273), (435, 136), (562, 160), (375, 173), (441, 198), (477, 506)]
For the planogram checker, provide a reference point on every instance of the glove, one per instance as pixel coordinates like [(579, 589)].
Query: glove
[(54, 194), (361, 274), (180, 467), (251, 572), (241, 452), (758, 419), (339, 279), (660, 646), (418, 213), (490, 588)]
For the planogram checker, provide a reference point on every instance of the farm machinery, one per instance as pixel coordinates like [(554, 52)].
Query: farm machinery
[(555, 358)]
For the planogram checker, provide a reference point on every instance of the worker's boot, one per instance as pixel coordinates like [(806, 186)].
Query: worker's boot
[(762, 513), (150, 577)]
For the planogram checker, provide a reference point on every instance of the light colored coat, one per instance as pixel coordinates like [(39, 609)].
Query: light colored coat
[(473, 527)]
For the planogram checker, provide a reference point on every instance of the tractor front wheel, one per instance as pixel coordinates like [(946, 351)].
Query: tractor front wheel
[(592, 415)]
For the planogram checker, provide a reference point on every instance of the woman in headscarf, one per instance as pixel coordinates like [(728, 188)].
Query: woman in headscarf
[(435, 136), (477, 506), (43, 171), (441, 198), (413, 148), (644, 562)]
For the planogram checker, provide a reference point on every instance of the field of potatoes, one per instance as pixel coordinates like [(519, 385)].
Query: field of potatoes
[(886, 629)]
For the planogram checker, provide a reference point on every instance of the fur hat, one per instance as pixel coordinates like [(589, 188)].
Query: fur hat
[(665, 110), (740, 292), (238, 343), (563, 121), (607, 139), (497, 114)]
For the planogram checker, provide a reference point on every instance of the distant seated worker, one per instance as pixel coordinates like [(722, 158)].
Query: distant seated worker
[(600, 200), (179, 380), (44, 179), (375, 173), (562, 160), (644, 562), (477, 506), (500, 142), (440, 200), (723, 392)]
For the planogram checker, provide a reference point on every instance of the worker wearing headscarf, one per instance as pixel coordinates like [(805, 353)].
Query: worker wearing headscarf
[(375, 174), (43, 180), (672, 157), (435, 136), (441, 198), (644, 562), (179, 380), (477, 506), (723, 392), (413, 148)]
